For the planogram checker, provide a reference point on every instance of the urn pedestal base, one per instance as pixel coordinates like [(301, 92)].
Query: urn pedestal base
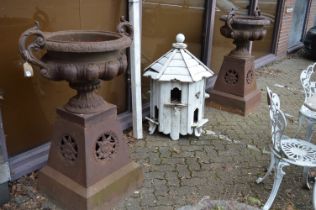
[(235, 89), (102, 195), (235, 104), (88, 166)]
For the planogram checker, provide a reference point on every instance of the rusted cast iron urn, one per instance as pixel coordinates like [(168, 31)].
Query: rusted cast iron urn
[(88, 165), (235, 89)]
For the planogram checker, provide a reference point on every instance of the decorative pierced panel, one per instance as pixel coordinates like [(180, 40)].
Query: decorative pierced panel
[(305, 77), (106, 146), (249, 76), (299, 150), (68, 148), (231, 77), (277, 119)]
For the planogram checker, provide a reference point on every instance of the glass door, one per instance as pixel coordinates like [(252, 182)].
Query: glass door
[(268, 9), (298, 23)]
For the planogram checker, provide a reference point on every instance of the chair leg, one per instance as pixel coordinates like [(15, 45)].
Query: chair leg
[(278, 176), (300, 122), (314, 194), (272, 162), (305, 178), (309, 131)]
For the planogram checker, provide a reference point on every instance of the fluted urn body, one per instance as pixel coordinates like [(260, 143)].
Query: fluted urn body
[(242, 29), (82, 58)]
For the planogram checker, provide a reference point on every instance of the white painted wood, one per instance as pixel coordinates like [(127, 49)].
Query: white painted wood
[(167, 110), (152, 99), (190, 108), (135, 61), (175, 123), (164, 69), (178, 69), (184, 111)]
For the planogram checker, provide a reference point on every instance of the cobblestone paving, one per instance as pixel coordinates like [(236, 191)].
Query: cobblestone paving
[(222, 164), (225, 162)]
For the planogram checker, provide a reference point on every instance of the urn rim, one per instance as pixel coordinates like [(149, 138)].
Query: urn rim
[(85, 41), (247, 20)]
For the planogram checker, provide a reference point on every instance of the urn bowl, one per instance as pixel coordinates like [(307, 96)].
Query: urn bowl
[(244, 27), (82, 58)]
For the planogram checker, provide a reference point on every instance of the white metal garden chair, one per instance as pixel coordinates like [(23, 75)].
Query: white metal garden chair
[(308, 109), (284, 150)]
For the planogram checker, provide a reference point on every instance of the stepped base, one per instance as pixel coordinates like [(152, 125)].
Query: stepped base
[(235, 104), (102, 195)]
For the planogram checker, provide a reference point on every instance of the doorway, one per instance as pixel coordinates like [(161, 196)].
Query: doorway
[(298, 24)]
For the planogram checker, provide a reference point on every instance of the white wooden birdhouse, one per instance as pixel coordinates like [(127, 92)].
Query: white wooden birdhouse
[(177, 92)]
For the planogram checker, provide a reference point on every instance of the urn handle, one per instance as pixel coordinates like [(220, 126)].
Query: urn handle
[(229, 20), (124, 27), (37, 44)]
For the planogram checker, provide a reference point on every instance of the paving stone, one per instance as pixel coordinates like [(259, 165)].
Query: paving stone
[(148, 201), (162, 168), (194, 181), (164, 152), (161, 190), (193, 163), (164, 201), (183, 154), (173, 182), (183, 171), (154, 175), (173, 161)]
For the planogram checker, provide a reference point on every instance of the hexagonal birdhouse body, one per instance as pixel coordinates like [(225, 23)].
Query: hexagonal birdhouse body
[(177, 90)]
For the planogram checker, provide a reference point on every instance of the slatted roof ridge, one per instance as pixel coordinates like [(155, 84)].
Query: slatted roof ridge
[(200, 62), (177, 60), (185, 61), (164, 67), (156, 61)]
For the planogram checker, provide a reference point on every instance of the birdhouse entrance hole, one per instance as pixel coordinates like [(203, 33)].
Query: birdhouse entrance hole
[(156, 113), (176, 95), (196, 115)]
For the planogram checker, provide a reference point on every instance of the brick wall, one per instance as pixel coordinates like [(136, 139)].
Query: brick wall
[(285, 27)]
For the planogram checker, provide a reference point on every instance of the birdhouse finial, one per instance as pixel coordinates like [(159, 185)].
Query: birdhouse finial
[(180, 38), (180, 42)]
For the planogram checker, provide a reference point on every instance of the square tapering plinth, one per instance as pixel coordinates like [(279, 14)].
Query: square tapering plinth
[(88, 166), (235, 89)]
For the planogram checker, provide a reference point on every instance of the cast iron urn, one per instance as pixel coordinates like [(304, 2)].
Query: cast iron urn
[(88, 165), (235, 88)]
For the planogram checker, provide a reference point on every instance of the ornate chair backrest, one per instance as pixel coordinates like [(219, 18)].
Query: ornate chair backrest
[(305, 77), (277, 119)]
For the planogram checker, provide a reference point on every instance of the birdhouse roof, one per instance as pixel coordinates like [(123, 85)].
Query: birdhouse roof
[(178, 64)]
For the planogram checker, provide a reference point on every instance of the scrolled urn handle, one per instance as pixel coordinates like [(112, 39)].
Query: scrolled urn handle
[(37, 44), (229, 20), (124, 27)]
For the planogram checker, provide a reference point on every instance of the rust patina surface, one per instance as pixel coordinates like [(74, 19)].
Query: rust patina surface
[(235, 89), (89, 166), (82, 58)]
